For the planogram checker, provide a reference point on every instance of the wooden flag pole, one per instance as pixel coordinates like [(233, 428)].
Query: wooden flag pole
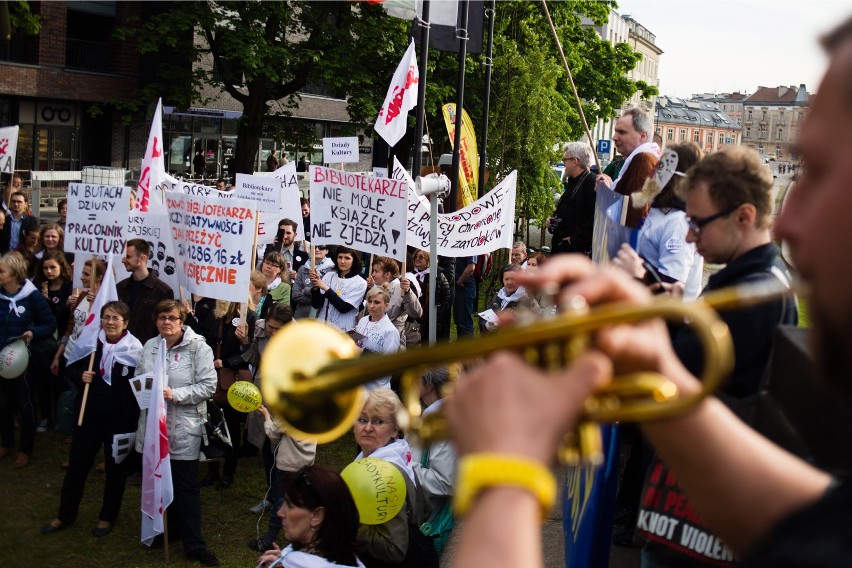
[(93, 286)]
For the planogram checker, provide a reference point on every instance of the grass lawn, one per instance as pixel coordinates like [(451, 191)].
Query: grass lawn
[(29, 498)]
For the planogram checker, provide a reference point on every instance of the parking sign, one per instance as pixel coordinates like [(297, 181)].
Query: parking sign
[(603, 146)]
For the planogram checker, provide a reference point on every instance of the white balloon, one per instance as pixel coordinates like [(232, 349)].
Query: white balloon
[(14, 359)]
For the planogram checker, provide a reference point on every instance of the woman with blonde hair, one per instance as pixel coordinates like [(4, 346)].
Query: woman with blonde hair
[(378, 435), (375, 333)]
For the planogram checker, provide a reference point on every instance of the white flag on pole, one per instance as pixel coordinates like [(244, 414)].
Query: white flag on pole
[(401, 98), (157, 490)]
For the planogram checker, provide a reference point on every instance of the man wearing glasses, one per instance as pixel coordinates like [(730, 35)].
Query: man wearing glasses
[(18, 222), (729, 212)]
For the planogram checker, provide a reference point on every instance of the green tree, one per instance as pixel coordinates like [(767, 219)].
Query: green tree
[(259, 52)]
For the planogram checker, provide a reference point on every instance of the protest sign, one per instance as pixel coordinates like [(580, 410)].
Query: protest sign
[(264, 192), (97, 219), (213, 240), (483, 226), (417, 225), (152, 226), (171, 183), (291, 207), (607, 202), (363, 212), (8, 148), (340, 150)]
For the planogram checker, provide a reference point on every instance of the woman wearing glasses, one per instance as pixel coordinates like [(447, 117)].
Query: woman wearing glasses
[(272, 266), (378, 435), (190, 381), (111, 413), (320, 521)]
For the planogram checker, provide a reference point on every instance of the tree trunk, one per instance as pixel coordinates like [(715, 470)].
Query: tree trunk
[(250, 128)]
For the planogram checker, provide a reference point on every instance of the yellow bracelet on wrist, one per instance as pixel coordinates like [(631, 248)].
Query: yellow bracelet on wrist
[(484, 470)]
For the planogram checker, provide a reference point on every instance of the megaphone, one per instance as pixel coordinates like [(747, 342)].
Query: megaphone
[(433, 183), (14, 359)]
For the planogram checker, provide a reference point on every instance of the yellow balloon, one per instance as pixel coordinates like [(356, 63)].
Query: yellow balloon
[(244, 396), (378, 489)]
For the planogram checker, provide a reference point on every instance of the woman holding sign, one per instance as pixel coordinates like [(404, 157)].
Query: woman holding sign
[(339, 292), (378, 435), (111, 417)]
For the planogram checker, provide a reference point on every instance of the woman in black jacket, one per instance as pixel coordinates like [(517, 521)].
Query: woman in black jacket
[(111, 416), (217, 322), (442, 293)]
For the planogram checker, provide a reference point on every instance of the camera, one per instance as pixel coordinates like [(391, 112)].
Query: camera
[(553, 224)]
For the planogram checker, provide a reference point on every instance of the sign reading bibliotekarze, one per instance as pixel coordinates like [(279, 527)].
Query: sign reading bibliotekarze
[(362, 212)]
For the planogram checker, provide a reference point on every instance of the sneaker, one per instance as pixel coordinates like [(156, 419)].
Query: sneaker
[(204, 556), (261, 507), (42, 426)]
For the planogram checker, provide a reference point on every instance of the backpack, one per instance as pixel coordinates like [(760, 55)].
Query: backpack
[(484, 264)]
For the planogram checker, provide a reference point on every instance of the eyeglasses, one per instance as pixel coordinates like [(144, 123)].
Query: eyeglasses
[(696, 224), (321, 247), (376, 422), (111, 319), (272, 264), (168, 319)]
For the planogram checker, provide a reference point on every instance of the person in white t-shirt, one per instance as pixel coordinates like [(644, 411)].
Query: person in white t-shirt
[(375, 332), (338, 293)]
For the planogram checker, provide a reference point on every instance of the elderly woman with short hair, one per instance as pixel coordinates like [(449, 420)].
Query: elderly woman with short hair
[(574, 219), (378, 435)]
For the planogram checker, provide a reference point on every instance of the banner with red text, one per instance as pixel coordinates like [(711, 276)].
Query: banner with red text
[(366, 213), (8, 148), (213, 240)]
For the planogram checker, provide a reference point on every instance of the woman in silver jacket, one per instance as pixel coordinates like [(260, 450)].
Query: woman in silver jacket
[(190, 381)]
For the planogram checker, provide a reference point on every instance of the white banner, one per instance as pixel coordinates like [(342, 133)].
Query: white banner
[(153, 227), (97, 219), (340, 150), (484, 226), (153, 165), (291, 207), (363, 212), (264, 192), (213, 240), (8, 148)]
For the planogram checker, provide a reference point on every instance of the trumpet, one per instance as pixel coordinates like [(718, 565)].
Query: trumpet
[(312, 373)]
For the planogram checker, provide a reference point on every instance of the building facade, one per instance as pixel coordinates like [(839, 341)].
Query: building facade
[(771, 120), (702, 122), (625, 29)]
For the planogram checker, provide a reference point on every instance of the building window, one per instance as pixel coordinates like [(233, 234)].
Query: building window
[(748, 133), (749, 116), (762, 134), (696, 136), (709, 138), (683, 134), (763, 115), (780, 133), (781, 114), (721, 138), (670, 135)]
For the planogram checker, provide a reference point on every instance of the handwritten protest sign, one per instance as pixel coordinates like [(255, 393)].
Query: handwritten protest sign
[(291, 207), (264, 192), (483, 226), (213, 240), (363, 212), (97, 219), (8, 148), (340, 150)]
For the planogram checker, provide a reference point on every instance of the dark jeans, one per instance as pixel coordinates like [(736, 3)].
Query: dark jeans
[(16, 397), (184, 514), (234, 421), (463, 308), (276, 496), (96, 432)]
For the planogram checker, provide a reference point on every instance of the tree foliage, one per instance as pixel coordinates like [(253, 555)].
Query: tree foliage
[(260, 52)]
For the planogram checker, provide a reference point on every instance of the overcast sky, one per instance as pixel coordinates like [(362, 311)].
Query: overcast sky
[(729, 45)]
